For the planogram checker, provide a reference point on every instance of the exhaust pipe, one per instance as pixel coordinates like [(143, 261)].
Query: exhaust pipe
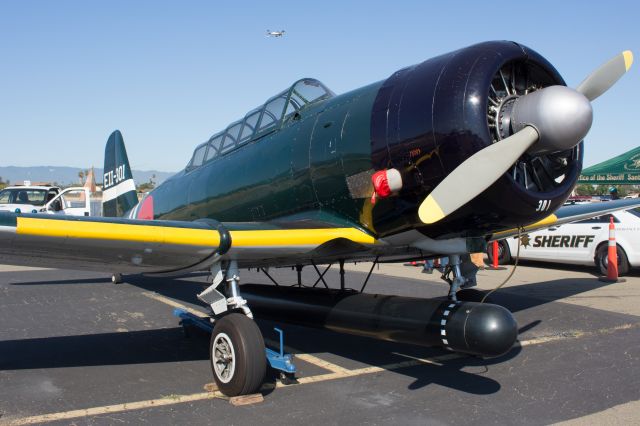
[(480, 329)]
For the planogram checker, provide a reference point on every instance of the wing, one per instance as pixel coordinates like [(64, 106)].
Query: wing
[(166, 247), (573, 213)]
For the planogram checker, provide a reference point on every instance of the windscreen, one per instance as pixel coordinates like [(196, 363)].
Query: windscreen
[(36, 197)]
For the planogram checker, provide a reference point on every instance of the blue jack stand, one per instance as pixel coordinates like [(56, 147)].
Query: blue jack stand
[(279, 361)]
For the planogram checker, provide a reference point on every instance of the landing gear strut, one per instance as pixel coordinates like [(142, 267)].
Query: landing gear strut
[(237, 348), (464, 274)]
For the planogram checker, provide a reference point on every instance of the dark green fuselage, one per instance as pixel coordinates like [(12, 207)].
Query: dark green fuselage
[(297, 169), (423, 120)]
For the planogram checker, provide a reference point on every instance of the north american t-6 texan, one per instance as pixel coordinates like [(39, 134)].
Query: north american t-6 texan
[(437, 160)]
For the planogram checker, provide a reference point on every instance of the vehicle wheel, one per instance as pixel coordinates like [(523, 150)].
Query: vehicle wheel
[(237, 355), (116, 278), (504, 254), (602, 259)]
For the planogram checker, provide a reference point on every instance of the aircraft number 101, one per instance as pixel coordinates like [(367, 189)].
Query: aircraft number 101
[(114, 177)]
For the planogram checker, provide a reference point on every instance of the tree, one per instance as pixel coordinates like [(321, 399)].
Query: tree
[(585, 189), (147, 186)]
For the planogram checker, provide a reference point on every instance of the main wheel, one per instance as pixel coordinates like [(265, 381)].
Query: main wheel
[(602, 259), (504, 254), (238, 357), (116, 278)]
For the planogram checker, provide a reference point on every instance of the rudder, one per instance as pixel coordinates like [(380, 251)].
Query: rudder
[(119, 190)]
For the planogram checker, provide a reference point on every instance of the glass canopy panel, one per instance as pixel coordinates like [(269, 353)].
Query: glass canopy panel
[(230, 138), (249, 126), (214, 147), (307, 91), (272, 113), (198, 155), (300, 94)]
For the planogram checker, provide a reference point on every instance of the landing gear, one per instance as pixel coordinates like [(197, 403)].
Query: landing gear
[(237, 348), (237, 355), (464, 274), (116, 278)]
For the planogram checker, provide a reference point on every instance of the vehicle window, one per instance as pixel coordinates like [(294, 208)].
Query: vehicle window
[(607, 218), (590, 220), (198, 156), (600, 219), (230, 138), (4, 196), (74, 199), (272, 114), (37, 197), (249, 126), (214, 147), (635, 212)]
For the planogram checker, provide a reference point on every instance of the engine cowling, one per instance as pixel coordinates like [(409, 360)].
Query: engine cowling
[(430, 117)]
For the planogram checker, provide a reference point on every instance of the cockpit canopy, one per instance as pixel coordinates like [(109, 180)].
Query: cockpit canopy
[(262, 120)]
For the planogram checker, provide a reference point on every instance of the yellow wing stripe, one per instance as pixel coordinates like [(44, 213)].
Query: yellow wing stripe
[(297, 237), (185, 236), (117, 231)]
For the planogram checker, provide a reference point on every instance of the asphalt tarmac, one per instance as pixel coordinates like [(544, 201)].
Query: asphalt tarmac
[(76, 349)]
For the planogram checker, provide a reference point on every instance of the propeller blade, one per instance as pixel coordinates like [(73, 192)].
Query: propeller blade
[(604, 77), (474, 175)]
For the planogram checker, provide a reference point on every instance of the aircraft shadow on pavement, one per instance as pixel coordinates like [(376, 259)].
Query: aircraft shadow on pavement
[(168, 345), (171, 345), (378, 353), (525, 296), (133, 347), (634, 272)]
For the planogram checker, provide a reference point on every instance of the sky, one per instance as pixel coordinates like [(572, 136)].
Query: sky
[(169, 74)]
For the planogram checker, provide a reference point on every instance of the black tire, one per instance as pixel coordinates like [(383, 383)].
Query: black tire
[(238, 336), (116, 278), (504, 254), (601, 259)]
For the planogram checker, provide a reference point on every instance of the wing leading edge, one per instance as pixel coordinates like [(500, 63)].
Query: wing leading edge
[(144, 246)]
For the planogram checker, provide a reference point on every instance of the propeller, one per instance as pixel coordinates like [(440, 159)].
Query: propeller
[(552, 119)]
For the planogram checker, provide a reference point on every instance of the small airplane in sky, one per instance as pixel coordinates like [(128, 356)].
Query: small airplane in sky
[(275, 33), (437, 160)]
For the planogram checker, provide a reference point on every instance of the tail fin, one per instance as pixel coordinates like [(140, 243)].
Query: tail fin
[(118, 191)]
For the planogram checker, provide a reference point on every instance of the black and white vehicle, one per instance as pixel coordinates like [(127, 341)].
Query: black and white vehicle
[(46, 199), (579, 243)]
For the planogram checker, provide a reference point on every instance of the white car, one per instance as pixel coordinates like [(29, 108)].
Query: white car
[(46, 199), (580, 243)]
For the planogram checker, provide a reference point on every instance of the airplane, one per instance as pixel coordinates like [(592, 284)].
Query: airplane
[(275, 33), (436, 160)]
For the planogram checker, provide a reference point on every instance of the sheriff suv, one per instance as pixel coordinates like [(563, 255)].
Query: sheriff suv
[(579, 243), (46, 199)]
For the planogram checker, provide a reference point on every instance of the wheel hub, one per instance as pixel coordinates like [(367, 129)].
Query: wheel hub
[(223, 358)]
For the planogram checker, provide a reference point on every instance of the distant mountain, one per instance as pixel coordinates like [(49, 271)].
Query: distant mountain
[(66, 176)]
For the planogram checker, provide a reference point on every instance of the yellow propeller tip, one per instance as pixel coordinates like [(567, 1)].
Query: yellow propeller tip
[(628, 59), (430, 211)]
